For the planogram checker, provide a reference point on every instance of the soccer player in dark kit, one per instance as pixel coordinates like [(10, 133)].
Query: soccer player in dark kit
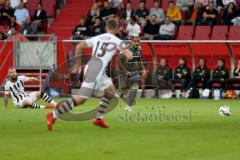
[(131, 71)]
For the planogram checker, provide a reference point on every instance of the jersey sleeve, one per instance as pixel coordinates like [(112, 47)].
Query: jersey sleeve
[(6, 89), (90, 42), (121, 45), (23, 78)]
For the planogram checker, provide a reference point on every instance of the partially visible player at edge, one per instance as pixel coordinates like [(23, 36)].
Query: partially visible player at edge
[(104, 47), (131, 71), (14, 87)]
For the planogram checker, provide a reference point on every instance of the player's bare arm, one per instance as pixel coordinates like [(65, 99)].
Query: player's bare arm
[(31, 79), (78, 53)]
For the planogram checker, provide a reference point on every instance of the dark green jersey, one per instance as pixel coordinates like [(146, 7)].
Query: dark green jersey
[(135, 64), (220, 73), (184, 71), (164, 72), (201, 73)]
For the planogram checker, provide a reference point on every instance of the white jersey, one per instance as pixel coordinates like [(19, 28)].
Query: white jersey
[(104, 47), (16, 89)]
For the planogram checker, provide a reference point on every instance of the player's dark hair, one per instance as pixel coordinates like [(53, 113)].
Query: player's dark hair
[(166, 60), (220, 59), (184, 60), (203, 59), (112, 24)]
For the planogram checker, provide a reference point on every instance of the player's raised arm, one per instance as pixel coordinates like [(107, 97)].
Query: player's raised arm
[(79, 52), (31, 79)]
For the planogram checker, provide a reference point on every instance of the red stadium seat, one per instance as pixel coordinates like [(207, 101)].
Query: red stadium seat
[(216, 84), (202, 33), (178, 84), (234, 33), (219, 33), (185, 33), (236, 85)]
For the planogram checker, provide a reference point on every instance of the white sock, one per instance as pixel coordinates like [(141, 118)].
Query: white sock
[(99, 116), (42, 107), (55, 114), (53, 103)]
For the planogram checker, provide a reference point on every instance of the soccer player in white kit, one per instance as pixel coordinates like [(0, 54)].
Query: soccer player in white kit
[(104, 47), (14, 87)]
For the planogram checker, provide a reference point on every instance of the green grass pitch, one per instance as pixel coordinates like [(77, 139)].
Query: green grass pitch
[(190, 130)]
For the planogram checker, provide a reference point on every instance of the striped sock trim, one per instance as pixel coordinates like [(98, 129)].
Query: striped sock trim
[(46, 98), (65, 106), (104, 103), (35, 106)]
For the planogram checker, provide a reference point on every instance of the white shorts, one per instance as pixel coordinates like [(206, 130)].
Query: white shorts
[(99, 86), (30, 98), (95, 79)]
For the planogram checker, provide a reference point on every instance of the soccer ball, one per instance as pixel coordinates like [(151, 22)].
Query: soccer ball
[(224, 111)]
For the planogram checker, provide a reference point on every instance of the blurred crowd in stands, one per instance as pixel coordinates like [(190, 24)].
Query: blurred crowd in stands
[(16, 22), (156, 23)]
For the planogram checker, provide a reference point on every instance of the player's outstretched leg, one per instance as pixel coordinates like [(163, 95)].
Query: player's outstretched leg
[(36, 106), (30, 104), (63, 107), (105, 101), (48, 99)]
